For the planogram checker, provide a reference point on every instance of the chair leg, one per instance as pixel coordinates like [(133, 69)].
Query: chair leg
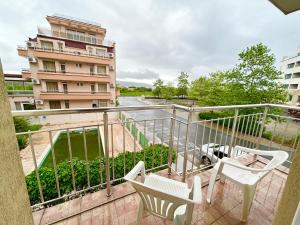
[(211, 185), (249, 192), (212, 182), (189, 214), (140, 213)]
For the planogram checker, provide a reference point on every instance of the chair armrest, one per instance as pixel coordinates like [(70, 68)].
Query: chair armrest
[(196, 191), (139, 168), (253, 151), (242, 167)]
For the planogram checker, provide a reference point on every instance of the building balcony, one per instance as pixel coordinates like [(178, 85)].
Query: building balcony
[(25, 93), (75, 95), (89, 39), (73, 76), (151, 133), (74, 56)]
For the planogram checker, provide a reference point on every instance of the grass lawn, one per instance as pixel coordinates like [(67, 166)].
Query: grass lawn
[(136, 93), (61, 148)]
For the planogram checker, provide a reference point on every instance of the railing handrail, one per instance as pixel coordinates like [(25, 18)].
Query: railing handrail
[(70, 72), (144, 107)]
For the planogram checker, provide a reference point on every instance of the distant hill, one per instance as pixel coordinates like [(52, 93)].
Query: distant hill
[(133, 84)]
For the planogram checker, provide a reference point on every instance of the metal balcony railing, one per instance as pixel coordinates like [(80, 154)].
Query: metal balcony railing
[(192, 145)]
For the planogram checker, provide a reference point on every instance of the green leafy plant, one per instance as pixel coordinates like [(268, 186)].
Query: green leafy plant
[(154, 156)]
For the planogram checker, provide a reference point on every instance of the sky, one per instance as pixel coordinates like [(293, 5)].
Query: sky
[(160, 38)]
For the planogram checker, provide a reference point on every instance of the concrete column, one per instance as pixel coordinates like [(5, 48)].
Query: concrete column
[(14, 205), (291, 194)]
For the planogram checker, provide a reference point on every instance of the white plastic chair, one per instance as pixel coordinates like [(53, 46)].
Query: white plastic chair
[(163, 197), (246, 177)]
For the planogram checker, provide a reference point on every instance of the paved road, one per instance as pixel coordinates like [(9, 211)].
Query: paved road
[(198, 134)]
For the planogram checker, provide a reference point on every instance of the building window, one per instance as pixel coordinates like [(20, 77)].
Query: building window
[(78, 65), (93, 88), (90, 50), (54, 104), (101, 70), (291, 65), (100, 52), (52, 86), (290, 97), (65, 87), (49, 66), (102, 104), (287, 76), (62, 67), (75, 35), (18, 105), (47, 45), (91, 69), (60, 46), (67, 104), (102, 87)]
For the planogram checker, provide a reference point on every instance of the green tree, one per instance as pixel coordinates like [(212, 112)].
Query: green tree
[(168, 91), (254, 79), (158, 85), (183, 84)]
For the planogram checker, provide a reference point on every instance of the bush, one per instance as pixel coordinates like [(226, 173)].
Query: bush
[(252, 128), (22, 125), (153, 156)]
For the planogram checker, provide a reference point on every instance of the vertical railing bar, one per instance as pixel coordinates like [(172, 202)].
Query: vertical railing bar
[(221, 139), (54, 163), (273, 133), (195, 143), (134, 141), (162, 140), (71, 160), (177, 150), (236, 113), (106, 144), (284, 136), (256, 130), (171, 142), (215, 139), (242, 129), (100, 155), (124, 151), (246, 131), (144, 144), (211, 122), (112, 151), (250, 130), (237, 130), (263, 121), (87, 165), (202, 141), (153, 142), (227, 131), (187, 141), (36, 167), (253, 131)]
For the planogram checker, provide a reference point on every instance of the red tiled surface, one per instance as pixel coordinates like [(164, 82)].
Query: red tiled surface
[(224, 210)]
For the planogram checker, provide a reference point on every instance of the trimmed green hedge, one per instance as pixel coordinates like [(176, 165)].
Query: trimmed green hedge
[(152, 155)]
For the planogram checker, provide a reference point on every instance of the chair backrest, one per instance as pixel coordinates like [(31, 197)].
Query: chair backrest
[(158, 202)]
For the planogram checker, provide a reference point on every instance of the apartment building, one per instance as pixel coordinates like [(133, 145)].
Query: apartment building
[(290, 68), (71, 65), (19, 91)]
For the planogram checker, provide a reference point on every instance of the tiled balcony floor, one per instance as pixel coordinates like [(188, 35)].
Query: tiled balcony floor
[(224, 210)]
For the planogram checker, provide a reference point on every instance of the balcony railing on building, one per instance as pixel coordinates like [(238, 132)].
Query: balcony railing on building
[(182, 146), (90, 39)]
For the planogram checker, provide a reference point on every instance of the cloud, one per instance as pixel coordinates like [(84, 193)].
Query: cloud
[(140, 74), (161, 38)]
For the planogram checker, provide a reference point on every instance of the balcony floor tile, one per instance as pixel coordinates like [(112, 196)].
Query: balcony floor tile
[(225, 208)]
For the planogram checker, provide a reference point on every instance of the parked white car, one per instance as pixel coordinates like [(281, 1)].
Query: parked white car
[(211, 152)]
